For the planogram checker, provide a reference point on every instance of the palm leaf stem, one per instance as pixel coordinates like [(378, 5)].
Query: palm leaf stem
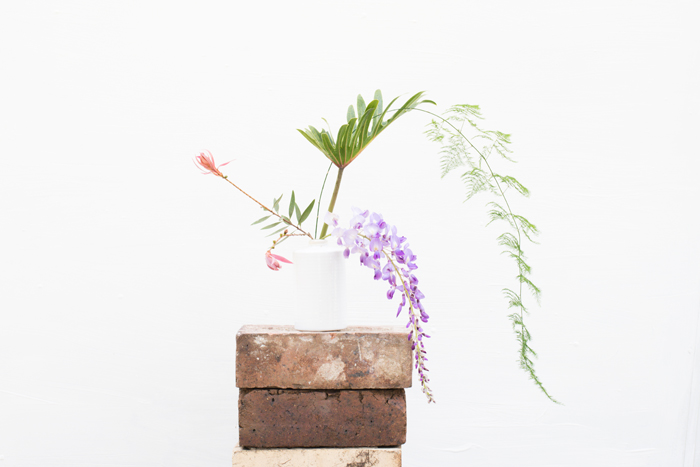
[(336, 189)]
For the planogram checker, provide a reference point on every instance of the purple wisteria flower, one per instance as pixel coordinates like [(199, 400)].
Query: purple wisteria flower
[(381, 249)]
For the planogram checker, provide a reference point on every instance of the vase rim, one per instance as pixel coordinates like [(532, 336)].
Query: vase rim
[(317, 241)]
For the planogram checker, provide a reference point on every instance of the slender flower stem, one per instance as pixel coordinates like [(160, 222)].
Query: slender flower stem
[(225, 177), (320, 195), (333, 198)]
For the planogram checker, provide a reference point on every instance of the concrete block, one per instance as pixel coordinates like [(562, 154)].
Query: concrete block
[(319, 457), (288, 418), (362, 357)]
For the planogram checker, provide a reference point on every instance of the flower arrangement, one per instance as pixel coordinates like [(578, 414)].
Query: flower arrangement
[(376, 242)]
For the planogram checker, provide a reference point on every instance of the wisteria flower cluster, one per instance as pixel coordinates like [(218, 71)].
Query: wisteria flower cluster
[(381, 249)]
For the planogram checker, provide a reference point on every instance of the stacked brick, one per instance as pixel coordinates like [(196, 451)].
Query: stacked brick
[(317, 399)]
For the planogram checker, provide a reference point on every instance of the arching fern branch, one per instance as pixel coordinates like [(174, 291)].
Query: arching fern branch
[(458, 151)]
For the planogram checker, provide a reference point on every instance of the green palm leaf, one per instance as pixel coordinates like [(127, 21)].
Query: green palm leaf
[(361, 128)]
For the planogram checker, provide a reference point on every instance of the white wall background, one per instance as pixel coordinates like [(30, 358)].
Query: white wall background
[(125, 274)]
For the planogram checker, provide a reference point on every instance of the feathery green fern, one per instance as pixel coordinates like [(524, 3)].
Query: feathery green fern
[(460, 152)]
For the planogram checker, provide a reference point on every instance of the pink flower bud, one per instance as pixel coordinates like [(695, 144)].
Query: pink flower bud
[(206, 163), (272, 261)]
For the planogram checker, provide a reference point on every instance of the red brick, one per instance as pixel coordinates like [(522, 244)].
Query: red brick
[(362, 357), (288, 418)]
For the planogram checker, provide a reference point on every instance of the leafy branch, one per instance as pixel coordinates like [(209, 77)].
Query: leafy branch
[(205, 161), (286, 221)]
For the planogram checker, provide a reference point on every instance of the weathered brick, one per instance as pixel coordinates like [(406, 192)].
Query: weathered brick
[(361, 357), (323, 457), (269, 418)]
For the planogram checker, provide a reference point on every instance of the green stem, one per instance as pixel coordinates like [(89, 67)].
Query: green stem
[(333, 198), (320, 196)]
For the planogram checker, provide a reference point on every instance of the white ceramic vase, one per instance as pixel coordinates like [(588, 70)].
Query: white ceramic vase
[(320, 271)]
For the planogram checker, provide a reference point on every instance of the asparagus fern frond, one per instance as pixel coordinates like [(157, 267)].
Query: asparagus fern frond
[(459, 151)]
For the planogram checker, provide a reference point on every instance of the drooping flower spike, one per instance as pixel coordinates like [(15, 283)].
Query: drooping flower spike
[(381, 249), (206, 164), (273, 260)]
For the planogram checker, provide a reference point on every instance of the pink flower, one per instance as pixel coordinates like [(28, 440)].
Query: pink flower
[(207, 165), (272, 262)]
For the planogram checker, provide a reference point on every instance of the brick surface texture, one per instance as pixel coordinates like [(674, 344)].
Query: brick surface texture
[(324, 457), (288, 418), (377, 357)]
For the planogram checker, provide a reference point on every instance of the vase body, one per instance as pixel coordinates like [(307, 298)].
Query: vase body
[(320, 271)]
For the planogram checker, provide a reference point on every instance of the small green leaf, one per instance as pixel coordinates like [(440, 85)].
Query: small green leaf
[(306, 212), (310, 139), (508, 240), (361, 106), (527, 227), (315, 133), (533, 288), (378, 98), (329, 149), (271, 226), (287, 220), (380, 124), (276, 204), (351, 113), (327, 124), (297, 212), (291, 205), (513, 183), (260, 220)]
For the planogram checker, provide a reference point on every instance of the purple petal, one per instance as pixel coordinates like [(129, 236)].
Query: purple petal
[(371, 229)]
